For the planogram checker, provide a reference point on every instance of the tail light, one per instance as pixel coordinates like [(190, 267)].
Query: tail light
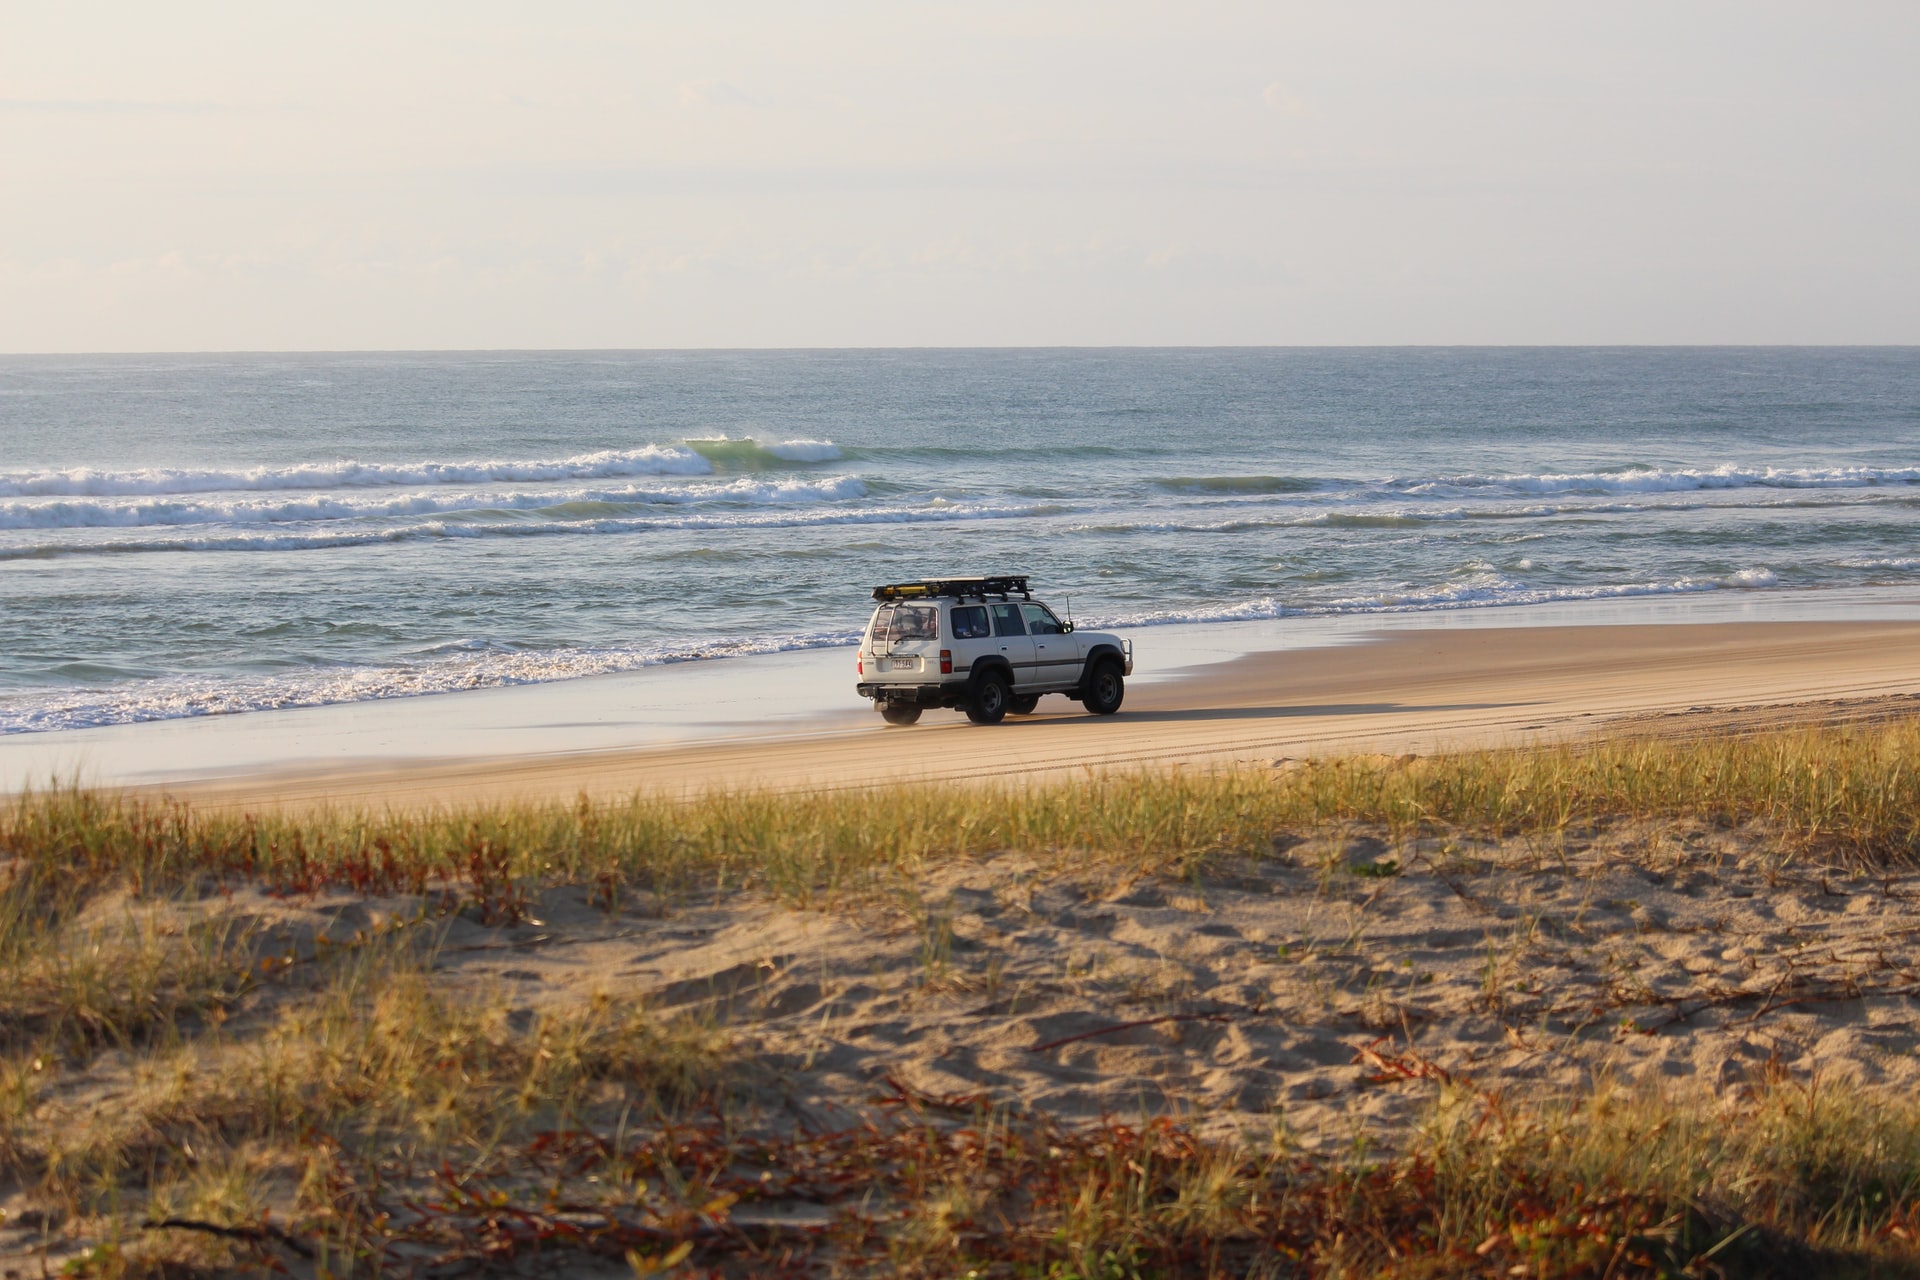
[(859, 664), (946, 662)]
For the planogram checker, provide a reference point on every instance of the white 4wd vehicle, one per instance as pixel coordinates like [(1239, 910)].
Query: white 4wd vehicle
[(986, 646)]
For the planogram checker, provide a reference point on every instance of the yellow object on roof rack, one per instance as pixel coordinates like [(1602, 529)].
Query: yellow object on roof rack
[(959, 588)]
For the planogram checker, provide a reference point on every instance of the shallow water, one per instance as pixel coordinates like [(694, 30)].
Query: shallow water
[(186, 535)]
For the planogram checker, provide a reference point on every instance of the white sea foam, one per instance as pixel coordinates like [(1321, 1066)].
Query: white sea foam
[(1657, 480), (523, 527), (1880, 562), (468, 667), (101, 513), (805, 451), (1387, 508), (604, 464), (1261, 490), (1481, 589)]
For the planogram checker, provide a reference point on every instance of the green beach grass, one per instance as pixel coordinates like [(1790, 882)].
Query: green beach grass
[(163, 1062)]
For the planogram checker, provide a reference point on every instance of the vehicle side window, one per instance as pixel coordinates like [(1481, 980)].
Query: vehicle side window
[(1006, 620), (916, 622), (970, 622), (1040, 620)]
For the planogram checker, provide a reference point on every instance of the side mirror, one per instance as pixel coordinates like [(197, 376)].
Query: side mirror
[(1066, 627)]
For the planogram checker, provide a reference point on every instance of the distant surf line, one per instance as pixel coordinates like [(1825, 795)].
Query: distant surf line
[(689, 458)]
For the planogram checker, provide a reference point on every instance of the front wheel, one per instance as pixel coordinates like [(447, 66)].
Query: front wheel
[(900, 713), (1023, 704), (988, 701), (1106, 688)]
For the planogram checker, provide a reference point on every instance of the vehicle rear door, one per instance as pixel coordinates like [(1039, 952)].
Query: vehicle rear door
[(969, 636), (906, 644), (1011, 638)]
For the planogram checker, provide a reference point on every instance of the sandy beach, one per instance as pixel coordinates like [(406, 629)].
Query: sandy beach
[(1403, 691)]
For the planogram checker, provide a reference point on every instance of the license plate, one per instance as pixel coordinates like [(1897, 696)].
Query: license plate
[(899, 664)]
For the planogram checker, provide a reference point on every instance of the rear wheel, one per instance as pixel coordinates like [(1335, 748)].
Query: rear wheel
[(1022, 704), (899, 712), (987, 704), (1106, 688)]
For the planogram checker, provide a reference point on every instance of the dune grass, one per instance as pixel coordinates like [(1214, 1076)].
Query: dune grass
[(1851, 794), (363, 1072), (1805, 1180), (1609, 1183), (346, 1113)]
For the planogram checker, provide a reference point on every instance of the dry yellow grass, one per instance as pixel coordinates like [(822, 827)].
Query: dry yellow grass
[(1853, 792)]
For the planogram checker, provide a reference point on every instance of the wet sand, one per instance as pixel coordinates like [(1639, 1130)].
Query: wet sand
[(1401, 691)]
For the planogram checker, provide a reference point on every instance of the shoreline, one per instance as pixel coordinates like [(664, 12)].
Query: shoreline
[(1398, 692), (1221, 693)]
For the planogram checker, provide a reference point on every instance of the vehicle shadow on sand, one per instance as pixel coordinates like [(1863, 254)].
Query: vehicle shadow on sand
[(1196, 715)]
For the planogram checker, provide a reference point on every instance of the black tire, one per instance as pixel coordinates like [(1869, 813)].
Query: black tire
[(1106, 687), (899, 713), (987, 701), (1023, 704)]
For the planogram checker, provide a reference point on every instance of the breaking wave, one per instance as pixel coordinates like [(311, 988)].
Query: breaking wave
[(1477, 590), (481, 666), (692, 458), (475, 527), (1657, 480), (106, 514), (723, 451)]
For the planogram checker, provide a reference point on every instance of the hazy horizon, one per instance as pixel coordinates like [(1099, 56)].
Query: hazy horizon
[(216, 178), (271, 352)]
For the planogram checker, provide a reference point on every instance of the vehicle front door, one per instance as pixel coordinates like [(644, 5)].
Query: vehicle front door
[(1056, 655), (1010, 636)]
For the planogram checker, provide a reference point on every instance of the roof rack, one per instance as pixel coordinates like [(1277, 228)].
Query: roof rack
[(959, 588)]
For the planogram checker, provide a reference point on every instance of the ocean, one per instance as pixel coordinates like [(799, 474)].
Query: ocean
[(191, 535)]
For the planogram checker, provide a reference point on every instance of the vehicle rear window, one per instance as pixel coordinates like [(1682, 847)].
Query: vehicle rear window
[(908, 622), (970, 622)]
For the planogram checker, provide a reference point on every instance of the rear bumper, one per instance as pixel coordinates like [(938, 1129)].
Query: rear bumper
[(920, 695)]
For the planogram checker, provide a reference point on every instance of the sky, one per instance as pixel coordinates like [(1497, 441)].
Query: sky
[(197, 176)]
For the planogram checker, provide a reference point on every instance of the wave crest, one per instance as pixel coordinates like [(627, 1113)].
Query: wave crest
[(557, 504), (1475, 590), (690, 458), (757, 455), (86, 482), (584, 523), (1656, 480)]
